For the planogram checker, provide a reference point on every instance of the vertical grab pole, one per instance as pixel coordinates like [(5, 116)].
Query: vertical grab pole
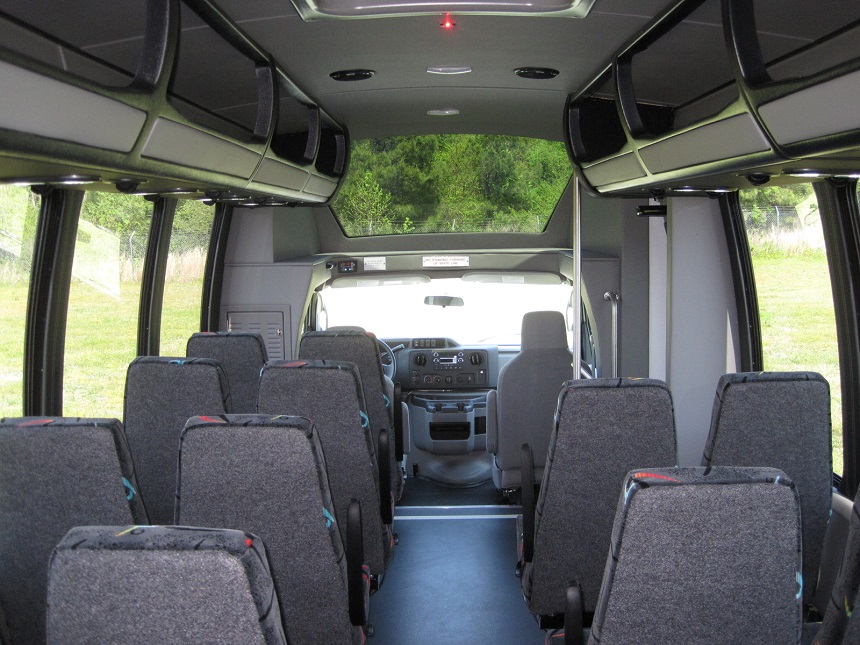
[(576, 295), (613, 299)]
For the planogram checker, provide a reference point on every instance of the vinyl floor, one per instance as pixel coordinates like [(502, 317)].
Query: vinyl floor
[(452, 580)]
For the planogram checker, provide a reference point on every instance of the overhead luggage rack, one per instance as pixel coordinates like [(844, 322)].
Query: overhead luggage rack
[(760, 108), (158, 114)]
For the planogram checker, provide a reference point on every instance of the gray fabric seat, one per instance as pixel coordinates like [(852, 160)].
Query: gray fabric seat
[(154, 584), (55, 473), (841, 623), (604, 428), (241, 355), (161, 394), (781, 420), (267, 476), (521, 409), (330, 394), (359, 347), (703, 558)]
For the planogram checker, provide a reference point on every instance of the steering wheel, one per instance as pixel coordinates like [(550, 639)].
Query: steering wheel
[(386, 358)]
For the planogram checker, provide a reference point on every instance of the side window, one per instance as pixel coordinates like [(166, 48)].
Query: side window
[(793, 282), (101, 332), (19, 212), (183, 283)]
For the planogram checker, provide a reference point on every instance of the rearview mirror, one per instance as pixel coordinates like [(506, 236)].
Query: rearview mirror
[(443, 301)]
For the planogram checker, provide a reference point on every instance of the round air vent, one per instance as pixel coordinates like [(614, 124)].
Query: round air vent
[(536, 73), (476, 359), (420, 360), (352, 74)]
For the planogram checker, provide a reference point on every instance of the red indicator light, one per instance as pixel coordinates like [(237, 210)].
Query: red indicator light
[(447, 23)]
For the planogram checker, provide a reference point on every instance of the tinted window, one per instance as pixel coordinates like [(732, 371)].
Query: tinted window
[(793, 283), (451, 183), (19, 213)]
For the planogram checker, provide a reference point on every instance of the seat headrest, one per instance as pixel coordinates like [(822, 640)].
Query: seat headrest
[(544, 330)]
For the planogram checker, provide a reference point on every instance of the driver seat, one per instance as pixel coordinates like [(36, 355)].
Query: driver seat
[(522, 407), (358, 346)]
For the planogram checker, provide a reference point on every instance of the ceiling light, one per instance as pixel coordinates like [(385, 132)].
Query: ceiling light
[(65, 180), (809, 173), (311, 10), (449, 69), (444, 112), (536, 73), (447, 23)]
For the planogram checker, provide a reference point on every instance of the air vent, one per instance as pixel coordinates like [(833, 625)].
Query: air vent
[(536, 73), (352, 74)]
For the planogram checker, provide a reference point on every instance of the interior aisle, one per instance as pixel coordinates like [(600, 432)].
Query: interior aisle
[(452, 580)]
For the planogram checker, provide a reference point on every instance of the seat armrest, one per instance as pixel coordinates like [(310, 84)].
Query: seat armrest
[(835, 539), (383, 457), (573, 634), (528, 493), (354, 565), (397, 417), (407, 427), (492, 423)]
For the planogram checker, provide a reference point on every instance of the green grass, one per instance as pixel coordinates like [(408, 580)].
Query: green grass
[(798, 324), (795, 302), (101, 340)]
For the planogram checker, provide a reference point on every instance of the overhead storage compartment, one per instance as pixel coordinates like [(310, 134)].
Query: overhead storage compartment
[(768, 90), (180, 98)]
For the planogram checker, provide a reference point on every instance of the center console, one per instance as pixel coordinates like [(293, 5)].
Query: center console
[(459, 367)]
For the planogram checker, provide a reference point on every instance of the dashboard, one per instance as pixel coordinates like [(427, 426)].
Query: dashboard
[(441, 363)]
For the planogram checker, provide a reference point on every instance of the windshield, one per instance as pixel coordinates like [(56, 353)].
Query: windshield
[(451, 183), (468, 311)]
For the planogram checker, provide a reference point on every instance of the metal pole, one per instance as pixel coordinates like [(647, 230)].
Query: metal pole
[(613, 299), (576, 295)]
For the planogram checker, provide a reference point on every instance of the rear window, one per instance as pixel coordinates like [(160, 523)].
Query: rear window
[(451, 183)]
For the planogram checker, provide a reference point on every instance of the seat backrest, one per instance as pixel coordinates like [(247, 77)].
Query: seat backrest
[(156, 584), (268, 476), (329, 393), (55, 473), (359, 347), (603, 429), (781, 420), (703, 558), (161, 394), (242, 355), (527, 394)]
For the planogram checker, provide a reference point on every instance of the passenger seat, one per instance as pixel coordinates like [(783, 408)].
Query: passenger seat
[(705, 556), (521, 409), (359, 347), (603, 429), (241, 355), (154, 584), (330, 394), (267, 476), (781, 420), (161, 394), (55, 473)]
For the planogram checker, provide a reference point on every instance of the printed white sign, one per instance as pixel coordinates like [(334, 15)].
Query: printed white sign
[(374, 264), (445, 261)]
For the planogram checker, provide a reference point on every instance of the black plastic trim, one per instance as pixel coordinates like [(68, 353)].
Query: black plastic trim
[(743, 276), (213, 274), (840, 220), (152, 281), (48, 302)]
